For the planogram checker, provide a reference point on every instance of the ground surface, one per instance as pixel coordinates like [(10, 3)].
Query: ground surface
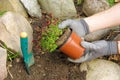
[(48, 66)]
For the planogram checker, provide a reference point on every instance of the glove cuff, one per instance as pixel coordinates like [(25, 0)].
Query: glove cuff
[(113, 48), (85, 25)]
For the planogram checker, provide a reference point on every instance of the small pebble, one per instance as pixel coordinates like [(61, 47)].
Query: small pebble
[(44, 74), (39, 65), (17, 60), (19, 71)]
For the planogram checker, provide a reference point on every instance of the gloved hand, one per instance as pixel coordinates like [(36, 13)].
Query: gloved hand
[(96, 49), (78, 26)]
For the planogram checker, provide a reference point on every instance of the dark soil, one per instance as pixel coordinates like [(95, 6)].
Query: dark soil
[(48, 66)]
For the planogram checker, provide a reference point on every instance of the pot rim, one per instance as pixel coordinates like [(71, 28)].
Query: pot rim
[(66, 39)]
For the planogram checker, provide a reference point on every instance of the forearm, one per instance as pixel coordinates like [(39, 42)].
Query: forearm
[(119, 47), (117, 0), (105, 19)]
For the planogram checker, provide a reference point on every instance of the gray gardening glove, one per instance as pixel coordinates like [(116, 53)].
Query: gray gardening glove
[(78, 26), (96, 49)]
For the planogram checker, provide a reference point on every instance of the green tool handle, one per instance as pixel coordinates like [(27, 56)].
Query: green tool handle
[(24, 48), (24, 45), (28, 57)]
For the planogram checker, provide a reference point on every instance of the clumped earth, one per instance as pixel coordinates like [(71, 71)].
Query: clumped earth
[(48, 66)]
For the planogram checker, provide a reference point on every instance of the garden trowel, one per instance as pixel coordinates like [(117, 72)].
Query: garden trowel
[(28, 57)]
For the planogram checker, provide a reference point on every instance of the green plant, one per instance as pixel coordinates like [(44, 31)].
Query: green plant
[(111, 2), (2, 12), (79, 2), (50, 35), (11, 54)]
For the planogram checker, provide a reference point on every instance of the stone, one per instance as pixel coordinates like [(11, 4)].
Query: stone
[(11, 25), (100, 69), (97, 35), (62, 9), (12, 5), (32, 7), (3, 59), (117, 38), (91, 7)]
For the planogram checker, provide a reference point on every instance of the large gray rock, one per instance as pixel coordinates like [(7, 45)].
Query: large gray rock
[(117, 38), (97, 35), (3, 58), (12, 5), (11, 25), (59, 8), (91, 7), (101, 70), (32, 7)]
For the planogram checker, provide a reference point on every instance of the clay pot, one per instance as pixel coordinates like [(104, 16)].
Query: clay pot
[(71, 46)]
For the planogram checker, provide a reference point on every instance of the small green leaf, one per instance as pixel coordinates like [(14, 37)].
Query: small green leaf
[(111, 2), (2, 12), (79, 2)]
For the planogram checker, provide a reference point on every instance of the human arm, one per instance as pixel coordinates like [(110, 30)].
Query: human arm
[(119, 47), (117, 0), (101, 20), (104, 19)]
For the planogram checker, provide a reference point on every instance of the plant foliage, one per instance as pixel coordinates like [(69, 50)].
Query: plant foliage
[(11, 54), (79, 2), (111, 2), (2, 12), (50, 35)]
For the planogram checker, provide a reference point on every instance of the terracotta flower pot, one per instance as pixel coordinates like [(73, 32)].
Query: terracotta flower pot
[(71, 47)]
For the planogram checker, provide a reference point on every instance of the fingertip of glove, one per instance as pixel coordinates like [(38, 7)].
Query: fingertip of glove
[(74, 60), (65, 23), (83, 42), (62, 25), (69, 59), (82, 38)]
